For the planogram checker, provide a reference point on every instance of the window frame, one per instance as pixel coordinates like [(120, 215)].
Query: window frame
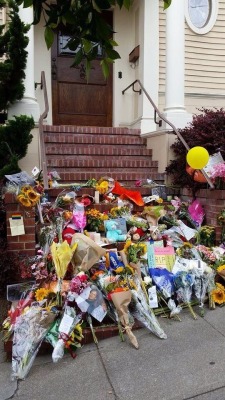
[(210, 21)]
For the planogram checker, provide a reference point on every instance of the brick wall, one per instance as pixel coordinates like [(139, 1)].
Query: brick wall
[(24, 244), (213, 202)]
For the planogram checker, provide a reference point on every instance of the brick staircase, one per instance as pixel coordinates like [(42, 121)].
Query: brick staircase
[(79, 153)]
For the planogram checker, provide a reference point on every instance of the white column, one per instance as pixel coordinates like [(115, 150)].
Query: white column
[(149, 61), (175, 67), (28, 105)]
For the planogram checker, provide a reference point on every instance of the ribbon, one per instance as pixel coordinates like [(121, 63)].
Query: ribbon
[(66, 338)]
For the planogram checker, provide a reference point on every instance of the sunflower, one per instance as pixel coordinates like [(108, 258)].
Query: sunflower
[(24, 201), (221, 268), (24, 189), (127, 245), (218, 294), (41, 294), (32, 195)]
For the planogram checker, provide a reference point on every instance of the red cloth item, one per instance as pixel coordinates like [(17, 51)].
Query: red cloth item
[(124, 193), (67, 234)]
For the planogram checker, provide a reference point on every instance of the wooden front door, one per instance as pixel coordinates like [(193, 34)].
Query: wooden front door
[(74, 100)]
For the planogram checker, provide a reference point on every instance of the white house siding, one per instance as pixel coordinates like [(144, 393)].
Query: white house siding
[(162, 56), (205, 66)]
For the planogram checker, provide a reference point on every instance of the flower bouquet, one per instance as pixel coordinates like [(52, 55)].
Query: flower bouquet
[(143, 313), (29, 332), (183, 282), (117, 291)]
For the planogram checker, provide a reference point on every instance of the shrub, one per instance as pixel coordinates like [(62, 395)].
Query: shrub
[(207, 130), (14, 140)]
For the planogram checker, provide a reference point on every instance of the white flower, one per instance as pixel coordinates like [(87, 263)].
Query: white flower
[(147, 280)]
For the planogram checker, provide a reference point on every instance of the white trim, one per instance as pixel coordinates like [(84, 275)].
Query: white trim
[(210, 23)]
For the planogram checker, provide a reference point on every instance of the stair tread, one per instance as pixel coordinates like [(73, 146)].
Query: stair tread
[(80, 153)]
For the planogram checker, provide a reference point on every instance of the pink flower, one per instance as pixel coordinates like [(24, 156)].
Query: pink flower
[(218, 171)]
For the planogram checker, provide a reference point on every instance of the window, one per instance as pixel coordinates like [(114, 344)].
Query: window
[(201, 15)]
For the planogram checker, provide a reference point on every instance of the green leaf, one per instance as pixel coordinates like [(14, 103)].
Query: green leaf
[(27, 3), (77, 58), (113, 42), (113, 54), (95, 6), (49, 37), (87, 45), (105, 68), (167, 3)]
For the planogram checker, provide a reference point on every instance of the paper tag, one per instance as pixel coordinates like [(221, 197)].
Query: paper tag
[(152, 295), (96, 197), (65, 324), (16, 225), (35, 171)]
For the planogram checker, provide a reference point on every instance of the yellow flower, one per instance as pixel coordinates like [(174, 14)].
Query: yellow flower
[(159, 200), (220, 286), (218, 295), (24, 189), (24, 201), (119, 270), (221, 268), (102, 187), (32, 195), (127, 245), (41, 294)]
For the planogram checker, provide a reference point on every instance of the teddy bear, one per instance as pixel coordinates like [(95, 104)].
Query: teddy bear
[(112, 233)]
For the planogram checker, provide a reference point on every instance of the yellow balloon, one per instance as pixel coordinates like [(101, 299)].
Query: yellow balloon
[(197, 157)]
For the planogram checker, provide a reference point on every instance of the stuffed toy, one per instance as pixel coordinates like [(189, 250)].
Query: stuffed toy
[(112, 233), (136, 233)]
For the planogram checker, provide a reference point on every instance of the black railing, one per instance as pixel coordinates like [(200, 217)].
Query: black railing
[(162, 117), (41, 119)]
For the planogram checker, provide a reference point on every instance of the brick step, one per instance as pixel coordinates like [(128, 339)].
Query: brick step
[(90, 130), (91, 149), (100, 162), (94, 139), (122, 177), (54, 192)]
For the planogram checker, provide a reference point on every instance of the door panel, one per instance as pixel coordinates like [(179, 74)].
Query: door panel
[(76, 101)]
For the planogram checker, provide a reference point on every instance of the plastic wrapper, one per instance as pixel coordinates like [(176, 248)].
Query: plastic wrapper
[(144, 314), (65, 329), (163, 280), (202, 281), (196, 213), (183, 282), (79, 217), (29, 332)]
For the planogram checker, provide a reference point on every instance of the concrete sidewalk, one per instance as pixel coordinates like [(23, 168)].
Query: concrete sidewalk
[(190, 364)]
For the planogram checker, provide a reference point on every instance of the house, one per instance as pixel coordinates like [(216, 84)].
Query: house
[(178, 56)]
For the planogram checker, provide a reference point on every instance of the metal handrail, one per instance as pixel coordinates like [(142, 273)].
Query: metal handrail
[(41, 119), (162, 117)]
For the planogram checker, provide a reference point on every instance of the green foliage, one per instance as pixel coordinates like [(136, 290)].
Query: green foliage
[(12, 44), (207, 130), (14, 140), (84, 21)]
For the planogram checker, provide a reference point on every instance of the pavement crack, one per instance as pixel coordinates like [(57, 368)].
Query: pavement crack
[(107, 375), (203, 393), (215, 329)]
